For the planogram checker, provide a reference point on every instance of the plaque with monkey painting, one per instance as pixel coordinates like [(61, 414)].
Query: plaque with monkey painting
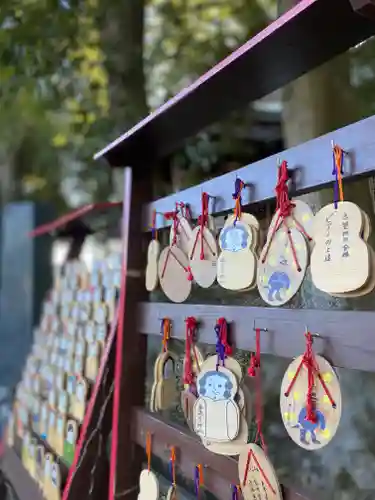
[(236, 266), (317, 431), (216, 413)]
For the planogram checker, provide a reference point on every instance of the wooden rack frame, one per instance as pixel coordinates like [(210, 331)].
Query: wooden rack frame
[(281, 53)]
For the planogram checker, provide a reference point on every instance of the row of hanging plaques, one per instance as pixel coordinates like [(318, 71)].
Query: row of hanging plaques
[(218, 405), (51, 398), (333, 242), (42, 467)]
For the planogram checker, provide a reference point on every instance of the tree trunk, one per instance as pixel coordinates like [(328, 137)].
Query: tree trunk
[(122, 32)]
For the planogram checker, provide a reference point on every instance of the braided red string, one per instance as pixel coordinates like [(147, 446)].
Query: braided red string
[(176, 223), (173, 216), (309, 361), (285, 207), (254, 371), (186, 269), (203, 221)]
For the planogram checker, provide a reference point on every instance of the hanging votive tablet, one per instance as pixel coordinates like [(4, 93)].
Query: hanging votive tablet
[(174, 274), (153, 253), (216, 413), (282, 266), (310, 411), (341, 260), (236, 266), (203, 256), (148, 486), (257, 475), (203, 251)]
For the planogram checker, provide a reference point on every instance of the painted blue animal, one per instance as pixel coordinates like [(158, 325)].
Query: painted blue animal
[(306, 426), (278, 281)]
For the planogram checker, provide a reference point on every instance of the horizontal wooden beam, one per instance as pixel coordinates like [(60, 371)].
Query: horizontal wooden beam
[(310, 165), (286, 49), (219, 471), (346, 337)]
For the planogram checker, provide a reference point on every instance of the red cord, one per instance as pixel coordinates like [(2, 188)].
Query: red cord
[(285, 208), (186, 269), (309, 361), (254, 371), (203, 221), (176, 225), (251, 455)]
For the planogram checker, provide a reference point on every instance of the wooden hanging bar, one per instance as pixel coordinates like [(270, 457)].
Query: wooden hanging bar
[(219, 471), (285, 329), (309, 163), (306, 36)]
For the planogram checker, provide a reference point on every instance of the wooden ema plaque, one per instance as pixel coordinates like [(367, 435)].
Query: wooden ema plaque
[(181, 232), (341, 260), (235, 446), (55, 492), (216, 413), (92, 361), (282, 266), (70, 441), (315, 429), (257, 475), (152, 278), (203, 256), (79, 400), (203, 251), (39, 466), (47, 486), (175, 276), (236, 266), (164, 391), (148, 486), (285, 256)]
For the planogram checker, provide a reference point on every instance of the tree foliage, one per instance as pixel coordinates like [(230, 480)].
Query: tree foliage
[(76, 73)]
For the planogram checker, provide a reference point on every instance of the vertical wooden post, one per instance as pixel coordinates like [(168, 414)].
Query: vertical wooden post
[(131, 347)]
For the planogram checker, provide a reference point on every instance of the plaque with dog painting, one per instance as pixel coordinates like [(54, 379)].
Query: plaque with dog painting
[(216, 413)]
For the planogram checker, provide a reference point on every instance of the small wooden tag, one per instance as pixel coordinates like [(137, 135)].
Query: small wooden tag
[(152, 277), (148, 486)]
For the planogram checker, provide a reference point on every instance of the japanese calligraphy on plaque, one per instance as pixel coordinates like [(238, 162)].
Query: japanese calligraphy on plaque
[(341, 260), (257, 475)]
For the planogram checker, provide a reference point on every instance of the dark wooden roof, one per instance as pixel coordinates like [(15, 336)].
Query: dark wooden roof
[(311, 33)]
